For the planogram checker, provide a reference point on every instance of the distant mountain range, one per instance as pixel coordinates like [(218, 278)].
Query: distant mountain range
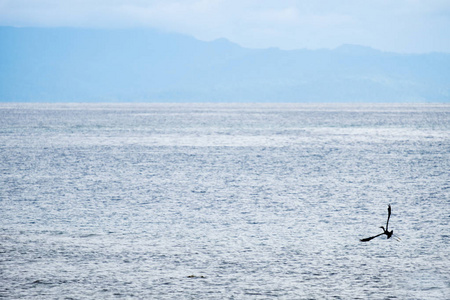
[(137, 65)]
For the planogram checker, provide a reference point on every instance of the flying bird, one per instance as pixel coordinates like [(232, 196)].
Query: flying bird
[(385, 231)]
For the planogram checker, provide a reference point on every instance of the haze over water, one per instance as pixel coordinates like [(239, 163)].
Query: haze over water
[(224, 201)]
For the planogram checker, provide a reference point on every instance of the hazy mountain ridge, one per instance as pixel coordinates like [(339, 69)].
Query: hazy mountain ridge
[(62, 64)]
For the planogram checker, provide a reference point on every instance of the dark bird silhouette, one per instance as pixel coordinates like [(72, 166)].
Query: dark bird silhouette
[(385, 231)]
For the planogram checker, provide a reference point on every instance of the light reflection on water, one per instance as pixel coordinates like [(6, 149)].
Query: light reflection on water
[(224, 201)]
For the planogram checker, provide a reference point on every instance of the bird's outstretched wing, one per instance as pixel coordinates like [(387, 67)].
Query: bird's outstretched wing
[(369, 238), (389, 215)]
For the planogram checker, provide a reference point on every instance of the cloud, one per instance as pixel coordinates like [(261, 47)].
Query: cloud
[(401, 25)]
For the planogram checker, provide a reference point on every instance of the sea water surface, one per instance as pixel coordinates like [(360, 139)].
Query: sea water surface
[(224, 201)]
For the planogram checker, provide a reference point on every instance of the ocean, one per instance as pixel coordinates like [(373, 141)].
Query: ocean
[(224, 201)]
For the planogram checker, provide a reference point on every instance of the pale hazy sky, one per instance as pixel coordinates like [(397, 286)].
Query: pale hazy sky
[(407, 26)]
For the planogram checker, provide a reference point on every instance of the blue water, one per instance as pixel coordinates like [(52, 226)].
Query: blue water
[(224, 201)]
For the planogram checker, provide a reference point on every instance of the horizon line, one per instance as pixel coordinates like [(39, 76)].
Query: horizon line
[(164, 31)]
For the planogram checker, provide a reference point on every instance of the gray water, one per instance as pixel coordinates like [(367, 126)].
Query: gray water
[(224, 201)]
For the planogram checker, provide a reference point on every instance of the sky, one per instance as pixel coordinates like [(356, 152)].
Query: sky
[(403, 26)]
